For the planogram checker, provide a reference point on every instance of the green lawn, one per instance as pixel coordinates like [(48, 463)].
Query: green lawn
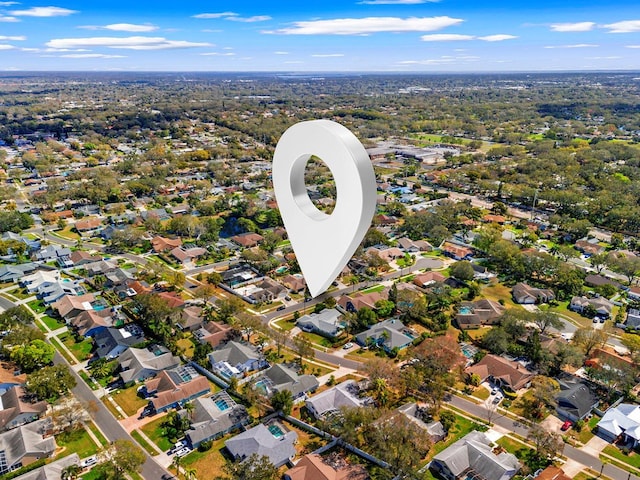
[(129, 400), (632, 459), (376, 288), (20, 293), (37, 306), (459, 430), (155, 432), (188, 346), (511, 445), (286, 325), (51, 322), (206, 463), (317, 339), (97, 433), (81, 350), (87, 380), (481, 393), (77, 441), (143, 443), (56, 343)]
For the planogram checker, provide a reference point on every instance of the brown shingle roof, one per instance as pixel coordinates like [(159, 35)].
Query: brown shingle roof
[(162, 244), (510, 373), (312, 467)]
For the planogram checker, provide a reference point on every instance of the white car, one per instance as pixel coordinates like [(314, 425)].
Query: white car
[(87, 462), (347, 345), (180, 444), (182, 452)]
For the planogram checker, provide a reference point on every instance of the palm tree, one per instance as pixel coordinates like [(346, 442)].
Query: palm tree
[(189, 407), (176, 463), (190, 474), (71, 472)]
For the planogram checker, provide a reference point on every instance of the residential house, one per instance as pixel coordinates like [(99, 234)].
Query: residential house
[(118, 277), (478, 313), (140, 287), (89, 227), (247, 240), (213, 333), (159, 213), (280, 377), (295, 283), (100, 268), (575, 399), (139, 364), (601, 305), (589, 247), (173, 299), (274, 441), (51, 471), (552, 473), (473, 456), (14, 273), (24, 445), (190, 318), (313, 467), (353, 303), (633, 293), (263, 290), (112, 342), (388, 254), (599, 280), (51, 253), (490, 218), (32, 244), (80, 257), (214, 417), (328, 323), (633, 318), (345, 394), (389, 334), (40, 279), (621, 424), (90, 322), (235, 359), (456, 252), (500, 371), (71, 306), (420, 416), (187, 255), (424, 280), (17, 408), (525, 294), (173, 388), (414, 246)]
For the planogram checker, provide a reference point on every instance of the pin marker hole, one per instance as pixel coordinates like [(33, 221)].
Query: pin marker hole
[(320, 185)]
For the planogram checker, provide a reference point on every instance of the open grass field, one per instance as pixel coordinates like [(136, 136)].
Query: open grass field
[(51, 322)]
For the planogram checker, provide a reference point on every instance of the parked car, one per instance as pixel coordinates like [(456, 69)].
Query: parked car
[(180, 444), (347, 345), (566, 425), (87, 462), (494, 390), (182, 452), (281, 307), (496, 400)]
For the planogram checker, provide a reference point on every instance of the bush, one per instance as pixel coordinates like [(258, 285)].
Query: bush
[(578, 426), (510, 395), (206, 445)]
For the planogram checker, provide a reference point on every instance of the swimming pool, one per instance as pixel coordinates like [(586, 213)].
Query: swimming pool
[(222, 404), (465, 310), (276, 431), (469, 351)]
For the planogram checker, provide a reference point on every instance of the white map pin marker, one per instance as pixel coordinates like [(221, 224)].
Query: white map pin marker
[(323, 243)]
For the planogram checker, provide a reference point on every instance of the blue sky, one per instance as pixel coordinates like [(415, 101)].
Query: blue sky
[(341, 36)]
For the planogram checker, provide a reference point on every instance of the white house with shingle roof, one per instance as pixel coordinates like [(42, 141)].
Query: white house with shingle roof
[(622, 422)]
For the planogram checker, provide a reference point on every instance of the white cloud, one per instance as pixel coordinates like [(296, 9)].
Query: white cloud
[(573, 27), (455, 37), (293, 62), (5, 18), (327, 55), (446, 37), (217, 54), (6, 47), (626, 26), (216, 15), (577, 45), (8, 4), (13, 38), (632, 46), (613, 57), (367, 25), (131, 43), (43, 12), (443, 60), (396, 2), (497, 38), (281, 53), (122, 27), (255, 18), (90, 55)]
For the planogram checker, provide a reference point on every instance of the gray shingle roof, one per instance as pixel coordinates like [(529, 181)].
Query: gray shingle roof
[(261, 441)]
